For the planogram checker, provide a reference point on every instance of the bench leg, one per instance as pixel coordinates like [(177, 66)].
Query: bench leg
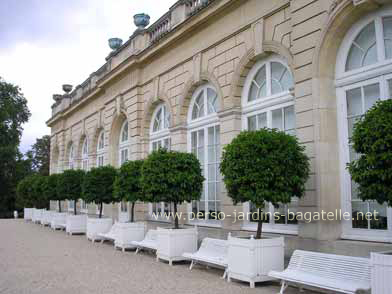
[(171, 262), (103, 240), (283, 288), (123, 249), (191, 266), (137, 250), (252, 284)]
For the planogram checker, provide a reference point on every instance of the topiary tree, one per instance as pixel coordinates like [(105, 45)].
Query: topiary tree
[(98, 186), (50, 189), (372, 140), (23, 194), (128, 186), (70, 185), (37, 191), (264, 166), (174, 177)]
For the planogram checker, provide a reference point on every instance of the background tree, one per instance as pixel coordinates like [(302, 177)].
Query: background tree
[(128, 186), (13, 114), (372, 140), (264, 166), (173, 177), (70, 185), (40, 153), (50, 189), (23, 194), (98, 186)]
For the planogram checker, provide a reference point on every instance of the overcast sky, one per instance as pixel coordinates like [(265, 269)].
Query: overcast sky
[(47, 43)]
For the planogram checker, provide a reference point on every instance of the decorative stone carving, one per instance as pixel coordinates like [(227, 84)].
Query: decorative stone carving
[(258, 36)]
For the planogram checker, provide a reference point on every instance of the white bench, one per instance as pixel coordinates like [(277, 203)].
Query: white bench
[(338, 273), (111, 235), (150, 241), (211, 252)]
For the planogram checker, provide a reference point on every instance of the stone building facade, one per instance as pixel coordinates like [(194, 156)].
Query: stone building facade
[(206, 70)]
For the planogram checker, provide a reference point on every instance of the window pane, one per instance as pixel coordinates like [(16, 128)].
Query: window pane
[(390, 88), (387, 23), (262, 120), (372, 94), (198, 107), (281, 78), (363, 51), (259, 85), (354, 103), (277, 122), (252, 123), (359, 210), (379, 219), (289, 118), (212, 99)]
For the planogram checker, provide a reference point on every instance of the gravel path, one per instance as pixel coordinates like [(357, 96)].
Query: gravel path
[(34, 259)]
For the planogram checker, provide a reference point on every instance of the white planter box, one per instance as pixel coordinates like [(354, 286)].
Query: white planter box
[(381, 264), (128, 232), (123, 217), (76, 224), (97, 226), (172, 244), (37, 215), (58, 220), (250, 260), (46, 217), (28, 213)]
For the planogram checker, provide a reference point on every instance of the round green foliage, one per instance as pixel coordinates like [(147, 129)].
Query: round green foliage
[(372, 139), (264, 166), (23, 194), (128, 186), (50, 188), (70, 185), (37, 191), (170, 176), (98, 185)]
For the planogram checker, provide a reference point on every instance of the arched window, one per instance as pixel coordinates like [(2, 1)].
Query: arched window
[(85, 154), (204, 142), (71, 157), (160, 138), (363, 76), (159, 129), (124, 143), (267, 102), (101, 148)]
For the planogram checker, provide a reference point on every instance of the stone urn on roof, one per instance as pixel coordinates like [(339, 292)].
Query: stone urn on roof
[(141, 20)]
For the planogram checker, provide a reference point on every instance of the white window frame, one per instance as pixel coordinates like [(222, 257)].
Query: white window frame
[(85, 149), (194, 125), (101, 151), (123, 145), (265, 105), (379, 72), (159, 137)]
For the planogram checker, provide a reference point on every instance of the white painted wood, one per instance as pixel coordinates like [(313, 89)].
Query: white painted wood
[(251, 260), (211, 252), (150, 241), (111, 235), (46, 217), (76, 224), (58, 220), (126, 233), (97, 226), (172, 244), (337, 273), (27, 214), (37, 215), (381, 272)]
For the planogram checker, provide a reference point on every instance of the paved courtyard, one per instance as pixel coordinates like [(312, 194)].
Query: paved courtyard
[(34, 259)]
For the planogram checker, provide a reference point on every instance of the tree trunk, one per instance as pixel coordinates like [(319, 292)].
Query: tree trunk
[(75, 207), (175, 216), (59, 206), (259, 224), (132, 212), (100, 209)]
